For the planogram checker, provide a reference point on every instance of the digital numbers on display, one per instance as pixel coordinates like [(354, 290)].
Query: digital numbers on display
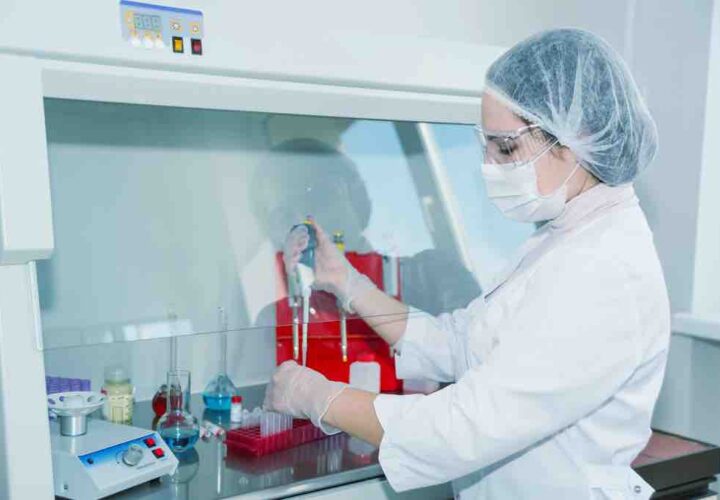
[(146, 22)]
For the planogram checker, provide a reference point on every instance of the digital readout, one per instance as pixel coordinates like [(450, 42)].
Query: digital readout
[(147, 22)]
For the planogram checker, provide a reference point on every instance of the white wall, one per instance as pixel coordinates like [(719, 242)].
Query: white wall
[(691, 396), (706, 299)]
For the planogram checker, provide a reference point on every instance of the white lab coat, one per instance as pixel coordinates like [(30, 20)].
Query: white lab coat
[(556, 369)]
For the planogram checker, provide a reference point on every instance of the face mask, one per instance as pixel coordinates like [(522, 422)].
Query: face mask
[(513, 189)]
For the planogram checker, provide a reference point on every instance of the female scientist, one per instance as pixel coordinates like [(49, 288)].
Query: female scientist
[(556, 368)]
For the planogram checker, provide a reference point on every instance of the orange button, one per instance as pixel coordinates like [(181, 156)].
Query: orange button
[(178, 45)]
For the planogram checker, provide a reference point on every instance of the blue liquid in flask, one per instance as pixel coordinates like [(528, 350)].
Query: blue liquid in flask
[(218, 393), (217, 402), (179, 440)]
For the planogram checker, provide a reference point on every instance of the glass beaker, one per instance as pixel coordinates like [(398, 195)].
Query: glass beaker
[(178, 428)]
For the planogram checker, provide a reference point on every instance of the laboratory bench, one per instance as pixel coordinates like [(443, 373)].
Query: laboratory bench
[(325, 468), (342, 467)]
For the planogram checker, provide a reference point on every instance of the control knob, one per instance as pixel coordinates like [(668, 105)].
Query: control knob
[(133, 455)]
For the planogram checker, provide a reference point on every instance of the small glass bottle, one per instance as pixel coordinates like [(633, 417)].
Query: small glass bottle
[(118, 405), (178, 427), (236, 409)]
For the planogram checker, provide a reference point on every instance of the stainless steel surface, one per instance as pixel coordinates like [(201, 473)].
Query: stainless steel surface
[(73, 425), (209, 472)]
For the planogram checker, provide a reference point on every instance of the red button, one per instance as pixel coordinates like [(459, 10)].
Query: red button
[(150, 443), (158, 452), (196, 46)]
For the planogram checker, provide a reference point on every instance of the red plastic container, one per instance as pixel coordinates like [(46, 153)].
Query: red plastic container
[(324, 351), (250, 442)]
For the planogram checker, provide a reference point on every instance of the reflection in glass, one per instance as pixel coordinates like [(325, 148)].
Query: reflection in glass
[(188, 466), (163, 215)]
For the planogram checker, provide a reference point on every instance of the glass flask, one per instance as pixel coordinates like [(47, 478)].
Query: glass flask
[(219, 392), (159, 401), (178, 428), (220, 389)]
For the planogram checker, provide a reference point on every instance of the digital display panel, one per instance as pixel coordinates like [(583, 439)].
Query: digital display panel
[(147, 22)]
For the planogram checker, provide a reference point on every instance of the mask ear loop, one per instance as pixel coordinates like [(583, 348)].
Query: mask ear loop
[(563, 184)]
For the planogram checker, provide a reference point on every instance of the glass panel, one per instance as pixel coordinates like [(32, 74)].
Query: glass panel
[(170, 221)]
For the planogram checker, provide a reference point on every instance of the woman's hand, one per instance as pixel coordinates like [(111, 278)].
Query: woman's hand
[(302, 393), (333, 272)]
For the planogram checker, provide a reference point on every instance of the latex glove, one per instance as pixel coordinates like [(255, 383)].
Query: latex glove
[(333, 272), (303, 393)]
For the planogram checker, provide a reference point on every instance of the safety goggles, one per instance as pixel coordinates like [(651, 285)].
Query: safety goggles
[(515, 148)]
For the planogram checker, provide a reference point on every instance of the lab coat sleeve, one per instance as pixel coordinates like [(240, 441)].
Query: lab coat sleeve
[(569, 347), (428, 347)]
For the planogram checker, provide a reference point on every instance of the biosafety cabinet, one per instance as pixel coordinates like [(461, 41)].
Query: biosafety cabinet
[(152, 159)]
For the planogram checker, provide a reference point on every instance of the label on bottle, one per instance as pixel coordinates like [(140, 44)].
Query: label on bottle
[(236, 413), (118, 408)]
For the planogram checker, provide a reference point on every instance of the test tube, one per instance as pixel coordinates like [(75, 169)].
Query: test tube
[(245, 420), (264, 425)]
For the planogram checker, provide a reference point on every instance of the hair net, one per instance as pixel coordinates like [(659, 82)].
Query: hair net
[(575, 86)]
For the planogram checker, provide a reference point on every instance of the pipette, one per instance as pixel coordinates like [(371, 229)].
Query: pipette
[(304, 278), (295, 324), (339, 240)]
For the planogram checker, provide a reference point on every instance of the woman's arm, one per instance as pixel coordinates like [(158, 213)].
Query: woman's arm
[(383, 313), (353, 411)]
